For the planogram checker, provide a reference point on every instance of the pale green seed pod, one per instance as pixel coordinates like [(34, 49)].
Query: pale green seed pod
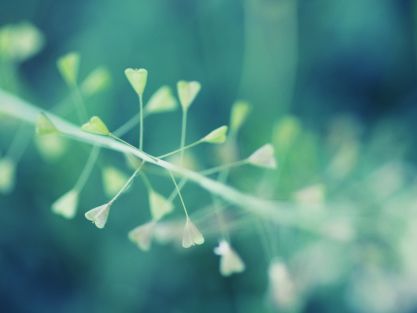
[(51, 147), (137, 79), (191, 235), (217, 136), (160, 206), (240, 112), (96, 126), (68, 66), (113, 180), (230, 261), (19, 42), (161, 101), (263, 157), (44, 126), (99, 215), (66, 205), (187, 91), (98, 80), (142, 235)]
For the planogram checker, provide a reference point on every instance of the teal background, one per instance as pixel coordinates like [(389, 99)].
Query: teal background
[(316, 59)]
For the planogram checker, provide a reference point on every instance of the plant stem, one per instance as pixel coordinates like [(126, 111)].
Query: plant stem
[(146, 181), (220, 218), (191, 145), (183, 133), (282, 212), (95, 151), (79, 104), (127, 184), (141, 123), (129, 125), (22, 137), (88, 168), (223, 171), (121, 140), (175, 191), (19, 143), (221, 168), (179, 193)]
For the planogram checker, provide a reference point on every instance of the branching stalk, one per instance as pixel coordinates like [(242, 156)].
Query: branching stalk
[(281, 212)]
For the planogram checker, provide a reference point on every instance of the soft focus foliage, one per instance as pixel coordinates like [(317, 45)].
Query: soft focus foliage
[(328, 84)]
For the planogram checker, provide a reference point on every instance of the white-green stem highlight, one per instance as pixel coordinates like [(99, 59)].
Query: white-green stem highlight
[(179, 193), (127, 184), (22, 110)]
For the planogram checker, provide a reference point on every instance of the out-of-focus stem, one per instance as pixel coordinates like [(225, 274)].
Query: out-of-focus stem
[(183, 133)]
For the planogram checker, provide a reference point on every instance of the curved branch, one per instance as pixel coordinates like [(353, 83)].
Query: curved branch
[(20, 109)]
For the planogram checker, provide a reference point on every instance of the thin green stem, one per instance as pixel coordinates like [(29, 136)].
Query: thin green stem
[(220, 218), (88, 168), (174, 193), (141, 123), (95, 151), (19, 143), (131, 146), (191, 145), (121, 140), (179, 193), (183, 133), (79, 104), (282, 212), (263, 238), (224, 175), (231, 142), (224, 171), (272, 233), (127, 184), (146, 181), (22, 139), (63, 106), (223, 167), (9, 75), (129, 125)]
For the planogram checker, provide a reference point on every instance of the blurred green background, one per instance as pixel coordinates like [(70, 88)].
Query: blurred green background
[(342, 66)]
